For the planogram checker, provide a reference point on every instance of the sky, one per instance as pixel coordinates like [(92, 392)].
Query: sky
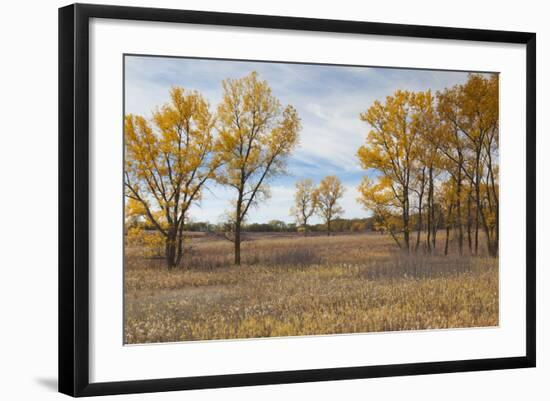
[(328, 99)]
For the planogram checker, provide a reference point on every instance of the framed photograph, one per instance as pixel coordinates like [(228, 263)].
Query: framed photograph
[(250, 199)]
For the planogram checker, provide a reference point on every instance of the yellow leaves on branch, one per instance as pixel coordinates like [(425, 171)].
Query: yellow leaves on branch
[(255, 135), (392, 143), (134, 209), (255, 132), (149, 243), (376, 194)]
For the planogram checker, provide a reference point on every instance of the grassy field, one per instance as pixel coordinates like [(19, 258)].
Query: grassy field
[(294, 285)]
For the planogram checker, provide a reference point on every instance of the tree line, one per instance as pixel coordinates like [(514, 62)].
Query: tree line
[(338, 225), (434, 158)]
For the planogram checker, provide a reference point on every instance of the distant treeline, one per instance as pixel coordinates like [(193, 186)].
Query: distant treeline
[(356, 225), (272, 226)]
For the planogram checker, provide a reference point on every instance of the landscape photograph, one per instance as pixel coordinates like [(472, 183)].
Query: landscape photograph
[(276, 199)]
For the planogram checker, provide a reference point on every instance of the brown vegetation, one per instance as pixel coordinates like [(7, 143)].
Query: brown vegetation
[(292, 285)]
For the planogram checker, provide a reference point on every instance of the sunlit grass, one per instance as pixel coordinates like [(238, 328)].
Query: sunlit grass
[(306, 286)]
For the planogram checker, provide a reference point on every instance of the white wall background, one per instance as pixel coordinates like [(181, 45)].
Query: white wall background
[(28, 200)]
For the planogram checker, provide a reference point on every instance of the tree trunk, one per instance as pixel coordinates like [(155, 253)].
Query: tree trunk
[(418, 230), (419, 226), (491, 249), (432, 208), (469, 219), (238, 222), (476, 229), (429, 230), (394, 238), (448, 229), (492, 199), (495, 195), (180, 239), (170, 250), (478, 204), (179, 252), (430, 222), (435, 226), (459, 209), (496, 240), (238, 242), (406, 218), (304, 225)]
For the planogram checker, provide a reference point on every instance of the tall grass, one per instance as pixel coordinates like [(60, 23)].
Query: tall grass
[(305, 286)]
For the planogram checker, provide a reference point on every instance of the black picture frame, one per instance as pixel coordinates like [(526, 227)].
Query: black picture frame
[(74, 198)]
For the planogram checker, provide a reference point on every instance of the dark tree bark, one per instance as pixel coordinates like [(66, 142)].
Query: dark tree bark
[(432, 229), (420, 200), (448, 229), (459, 208), (170, 250), (469, 219), (238, 221), (237, 243), (419, 224), (406, 218)]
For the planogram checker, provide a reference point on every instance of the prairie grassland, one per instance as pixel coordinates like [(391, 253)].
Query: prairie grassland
[(290, 285)]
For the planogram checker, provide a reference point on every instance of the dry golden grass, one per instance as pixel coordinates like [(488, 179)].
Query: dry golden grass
[(292, 285)]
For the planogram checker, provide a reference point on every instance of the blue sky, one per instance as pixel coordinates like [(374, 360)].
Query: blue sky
[(329, 100)]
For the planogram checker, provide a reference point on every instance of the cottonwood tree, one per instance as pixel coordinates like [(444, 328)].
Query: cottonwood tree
[(329, 192), (305, 203), (256, 135), (480, 110), (392, 149), (167, 162), (471, 110), (426, 123), (452, 145)]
